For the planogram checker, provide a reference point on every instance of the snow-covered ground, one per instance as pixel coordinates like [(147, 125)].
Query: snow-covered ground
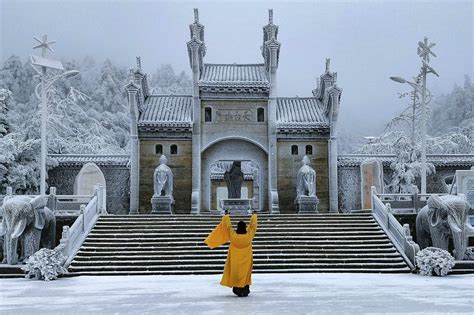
[(270, 294)]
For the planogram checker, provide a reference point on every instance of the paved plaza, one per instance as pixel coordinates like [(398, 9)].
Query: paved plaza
[(271, 294)]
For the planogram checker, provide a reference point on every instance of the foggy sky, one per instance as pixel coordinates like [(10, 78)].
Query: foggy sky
[(367, 41)]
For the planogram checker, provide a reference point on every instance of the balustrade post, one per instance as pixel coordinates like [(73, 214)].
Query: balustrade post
[(82, 212), (100, 199), (52, 197), (373, 191), (416, 200), (389, 211), (65, 240)]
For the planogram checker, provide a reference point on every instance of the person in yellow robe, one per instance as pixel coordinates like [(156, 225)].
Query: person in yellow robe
[(239, 263)]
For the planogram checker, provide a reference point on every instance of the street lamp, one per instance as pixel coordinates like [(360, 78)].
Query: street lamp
[(45, 84), (424, 51)]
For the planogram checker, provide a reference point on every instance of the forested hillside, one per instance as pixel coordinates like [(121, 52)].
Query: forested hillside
[(87, 114)]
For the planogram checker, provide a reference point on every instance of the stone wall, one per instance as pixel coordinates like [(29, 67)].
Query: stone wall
[(234, 119), (180, 164), (288, 166), (116, 180)]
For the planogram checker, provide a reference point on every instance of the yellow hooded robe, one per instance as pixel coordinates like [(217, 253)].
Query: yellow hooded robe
[(239, 263)]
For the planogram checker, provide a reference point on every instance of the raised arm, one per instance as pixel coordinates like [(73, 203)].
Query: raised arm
[(227, 224), (253, 225)]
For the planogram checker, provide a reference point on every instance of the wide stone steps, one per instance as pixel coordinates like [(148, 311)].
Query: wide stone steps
[(157, 244)]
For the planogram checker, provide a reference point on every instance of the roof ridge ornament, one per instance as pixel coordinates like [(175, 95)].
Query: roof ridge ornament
[(139, 63), (196, 15)]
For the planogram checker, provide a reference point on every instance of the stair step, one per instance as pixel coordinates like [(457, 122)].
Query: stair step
[(257, 262), (260, 271), (259, 245), (207, 229), (220, 267), (182, 217), (223, 255), (203, 251), (213, 223), (258, 239)]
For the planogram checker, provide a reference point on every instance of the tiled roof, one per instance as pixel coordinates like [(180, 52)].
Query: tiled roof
[(167, 111), (300, 112), (244, 75), (99, 159), (438, 160)]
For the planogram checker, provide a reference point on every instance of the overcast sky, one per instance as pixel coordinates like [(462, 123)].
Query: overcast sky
[(367, 41)]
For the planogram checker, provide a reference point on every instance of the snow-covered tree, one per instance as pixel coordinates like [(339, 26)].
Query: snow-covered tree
[(454, 112), (5, 102), (165, 81), (406, 167), (87, 113)]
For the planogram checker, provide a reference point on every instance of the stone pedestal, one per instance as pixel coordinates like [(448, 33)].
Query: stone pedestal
[(162, 205), (307, 204), (236, 205)]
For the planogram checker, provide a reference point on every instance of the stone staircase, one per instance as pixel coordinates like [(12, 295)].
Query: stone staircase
[(153, 244)]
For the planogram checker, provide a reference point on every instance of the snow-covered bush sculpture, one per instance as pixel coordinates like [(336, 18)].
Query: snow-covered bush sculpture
[(432, 260), (45, 264)]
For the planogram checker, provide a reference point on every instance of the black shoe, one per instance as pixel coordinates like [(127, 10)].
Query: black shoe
[(237, 291), (246, 290)]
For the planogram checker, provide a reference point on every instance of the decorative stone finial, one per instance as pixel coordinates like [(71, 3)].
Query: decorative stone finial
[(328, 62), (139, 63), (131, 74), (270, 16), (196, 15)]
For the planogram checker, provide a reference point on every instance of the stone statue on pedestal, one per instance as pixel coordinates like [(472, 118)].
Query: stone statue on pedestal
[(306, 199), (162, 200), (234, 179), (306, 179)]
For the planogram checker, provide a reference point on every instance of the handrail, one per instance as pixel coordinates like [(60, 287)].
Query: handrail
[(398, 234), (70, 203), (73, 237)]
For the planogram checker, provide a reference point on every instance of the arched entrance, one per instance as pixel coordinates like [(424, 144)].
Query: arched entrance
[(218, 157)]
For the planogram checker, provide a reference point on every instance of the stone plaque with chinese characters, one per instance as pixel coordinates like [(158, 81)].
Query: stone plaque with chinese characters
[(465, 185), (371, 174), (240, 115)]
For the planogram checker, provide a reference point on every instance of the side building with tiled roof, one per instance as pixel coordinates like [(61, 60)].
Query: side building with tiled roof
[(234, 113)]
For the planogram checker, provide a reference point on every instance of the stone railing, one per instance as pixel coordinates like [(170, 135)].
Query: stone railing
[(73, 237), (398, 234), (63, 204), (405, 203)]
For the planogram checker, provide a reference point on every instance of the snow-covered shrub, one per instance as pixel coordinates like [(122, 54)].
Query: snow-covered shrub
[(432, 260), (45, 264)]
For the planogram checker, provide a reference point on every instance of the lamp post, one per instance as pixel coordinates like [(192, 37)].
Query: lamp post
[(424, 50), (44, 64)]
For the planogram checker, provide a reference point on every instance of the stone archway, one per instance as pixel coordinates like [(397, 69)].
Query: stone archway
[(85, 181), (221, 153), (250, 188)]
